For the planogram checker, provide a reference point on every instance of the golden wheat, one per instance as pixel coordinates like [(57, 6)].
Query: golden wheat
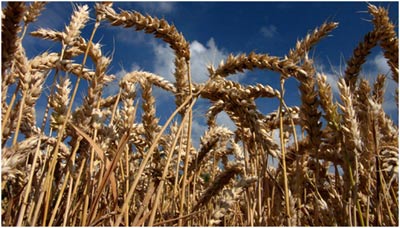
[(335, 162)]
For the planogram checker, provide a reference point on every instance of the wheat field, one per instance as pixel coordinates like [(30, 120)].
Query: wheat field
[(101, 164)]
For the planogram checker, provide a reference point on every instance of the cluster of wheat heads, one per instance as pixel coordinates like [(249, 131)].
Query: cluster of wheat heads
[(100, 164)]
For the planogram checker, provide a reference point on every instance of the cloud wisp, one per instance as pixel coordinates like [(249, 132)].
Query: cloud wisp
[(157, 7), (201, 57), (269, 31)]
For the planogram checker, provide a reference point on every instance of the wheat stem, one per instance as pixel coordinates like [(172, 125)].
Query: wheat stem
[(145, 160), (165, 171), (283, 151)]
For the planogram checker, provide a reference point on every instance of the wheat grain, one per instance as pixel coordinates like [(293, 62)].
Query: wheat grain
[(352, 143), (241, 62), (360, 54), (10, 28), (325, 94), (220, 181), (180, 77), (361, 105), (388, 38), (78, 21), (309, 113), (228, 199), (304, 46), (350, 124), (33, 12), (379, 89), (208, 143), (150, 122), (59, 103), (48, 34), (160, 28), (154, 79)]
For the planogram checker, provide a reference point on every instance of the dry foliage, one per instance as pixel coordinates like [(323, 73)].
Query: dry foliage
[(98, 165)]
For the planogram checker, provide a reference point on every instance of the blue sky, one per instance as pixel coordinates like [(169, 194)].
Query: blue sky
[(215, 29)]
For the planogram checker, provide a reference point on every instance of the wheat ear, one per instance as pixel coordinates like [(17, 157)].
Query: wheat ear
[(241, 62), (304, 46), (360, 54), (220, 181), (350, 130), (161, 29), (388, 38), (13, 14)]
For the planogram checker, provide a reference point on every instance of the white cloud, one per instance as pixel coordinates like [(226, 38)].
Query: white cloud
[(379, 62), (224, 120), (201, 57), (164, 61), (269, 31), (198, 130), (159, 7), (40, 109), (129, 36)]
